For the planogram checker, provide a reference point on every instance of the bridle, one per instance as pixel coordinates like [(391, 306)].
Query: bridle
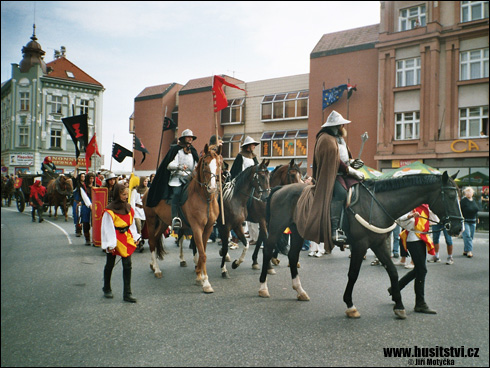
[(261, 191), (446, 220)]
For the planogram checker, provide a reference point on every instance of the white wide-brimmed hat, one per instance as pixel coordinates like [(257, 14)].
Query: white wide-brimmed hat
[(111, 176), (335, 119), (188, 133), (249, 140)]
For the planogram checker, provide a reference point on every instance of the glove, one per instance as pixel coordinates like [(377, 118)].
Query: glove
[(355, 173), (356, 164)]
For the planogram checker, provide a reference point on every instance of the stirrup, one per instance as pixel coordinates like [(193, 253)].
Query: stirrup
[(176, 223), (340, 238)]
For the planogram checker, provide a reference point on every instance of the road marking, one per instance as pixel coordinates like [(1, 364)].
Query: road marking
[(49, 222)]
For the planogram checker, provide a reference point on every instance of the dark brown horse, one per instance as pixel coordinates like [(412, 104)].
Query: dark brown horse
[(200, 210), (281, 175), (57, 193), (371, 217), (250, 186)]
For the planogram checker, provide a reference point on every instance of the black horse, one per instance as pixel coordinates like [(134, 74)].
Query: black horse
[(371, 215), (251, 185)]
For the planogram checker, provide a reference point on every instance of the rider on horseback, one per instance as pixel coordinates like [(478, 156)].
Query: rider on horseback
[(48, 169)]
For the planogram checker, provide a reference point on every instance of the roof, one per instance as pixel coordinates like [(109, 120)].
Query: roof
[(154, 90), (198, 83), (346, 41), (58, 69)]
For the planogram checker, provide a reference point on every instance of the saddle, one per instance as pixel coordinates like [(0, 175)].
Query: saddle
[(183, 198)]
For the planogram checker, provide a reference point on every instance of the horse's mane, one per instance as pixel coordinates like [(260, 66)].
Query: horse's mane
[(387, 185), (233, 186), (276, 169)]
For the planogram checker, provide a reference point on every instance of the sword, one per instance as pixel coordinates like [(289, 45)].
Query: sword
[(364, 138)]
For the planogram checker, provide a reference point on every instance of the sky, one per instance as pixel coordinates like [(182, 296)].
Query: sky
[(128, 46)]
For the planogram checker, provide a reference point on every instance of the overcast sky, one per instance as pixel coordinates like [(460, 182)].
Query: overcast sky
[(128, 46)]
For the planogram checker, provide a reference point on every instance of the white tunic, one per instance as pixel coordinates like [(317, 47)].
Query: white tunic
[(139, 213), (247, 162), (177, 165)]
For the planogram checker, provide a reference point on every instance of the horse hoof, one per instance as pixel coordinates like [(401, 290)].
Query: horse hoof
[(400, 313), (225, 275), (227, 258), (264, 294), (183, 264), (158, 275), (235, 265), (208, 289), (256, 266), (151, 267), (275, 261), (352, 313), (271, 271), (303, 297)]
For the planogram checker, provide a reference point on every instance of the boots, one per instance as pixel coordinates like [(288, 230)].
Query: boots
[(33, 215), (420, 304), (40, 215), (87, 237), (338, 236), (78, 230), (176, 221), (127, 281), (107, 283)]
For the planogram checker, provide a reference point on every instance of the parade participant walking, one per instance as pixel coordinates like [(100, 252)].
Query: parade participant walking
[(109, 183), (77, 201), (173, 172), (117, 240), (319, 209), (137, 205), (415, 239), (37, 192), (469, 209), (86, 192)]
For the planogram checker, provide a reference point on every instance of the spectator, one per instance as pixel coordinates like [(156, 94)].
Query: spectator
[(469, 208), (436, 234)]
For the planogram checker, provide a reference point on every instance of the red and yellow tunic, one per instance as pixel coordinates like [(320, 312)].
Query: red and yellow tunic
[(421, 225), (117, 233)]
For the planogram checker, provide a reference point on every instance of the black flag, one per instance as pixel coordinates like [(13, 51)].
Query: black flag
[(77, 127), (138, 146), (168, 124), (120, 153)]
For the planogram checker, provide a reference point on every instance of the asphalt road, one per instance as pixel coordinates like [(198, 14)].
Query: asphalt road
[(53, 312)]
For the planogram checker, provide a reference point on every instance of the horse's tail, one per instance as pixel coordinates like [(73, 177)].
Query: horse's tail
[(268, 205)]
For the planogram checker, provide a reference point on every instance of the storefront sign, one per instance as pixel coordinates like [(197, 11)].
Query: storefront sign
[(67, 161), (463, 145), (24, 159), (400, 163)]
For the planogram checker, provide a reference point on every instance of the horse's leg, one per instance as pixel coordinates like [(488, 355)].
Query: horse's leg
[(357, 253), (266, 257), (383, 254), (65, 209), (180, 241), (154, 235), (293, 256), (201, 272), (241, 236), (260, 240)]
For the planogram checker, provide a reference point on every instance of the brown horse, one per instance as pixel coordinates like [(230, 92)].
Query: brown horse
[(57, 193), (200, 211), (281, 175)]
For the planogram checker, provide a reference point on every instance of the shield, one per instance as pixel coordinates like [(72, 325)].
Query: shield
[(477, 179), (99, 203), (370, 173), (416, 167)]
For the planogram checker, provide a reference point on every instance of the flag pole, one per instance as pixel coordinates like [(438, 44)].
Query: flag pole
[(161, 138), (221, 168), (348, 82), (110, 169), (323, 110)]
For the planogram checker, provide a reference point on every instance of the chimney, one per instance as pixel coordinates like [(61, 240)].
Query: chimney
[(63, 51), (57, 54)]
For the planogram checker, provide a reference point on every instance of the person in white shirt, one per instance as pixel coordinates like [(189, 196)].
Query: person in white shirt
[(137, 205)]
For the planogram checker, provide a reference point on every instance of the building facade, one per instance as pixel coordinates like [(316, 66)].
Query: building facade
[(35, 100)]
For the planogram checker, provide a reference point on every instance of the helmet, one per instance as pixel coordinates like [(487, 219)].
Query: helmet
[(188, 133), (335, 119), (249, 140)]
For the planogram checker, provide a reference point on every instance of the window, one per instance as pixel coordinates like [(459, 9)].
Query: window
[(284, 143), (474, 64), (473, 10), (281, 106), (231, 145), (473, 122), (56, 104), (24, 101), (70, 74), (233, 114), (23, 136), (408, 72), (84, 106), (407, 125), (56, 138), (412, 18)]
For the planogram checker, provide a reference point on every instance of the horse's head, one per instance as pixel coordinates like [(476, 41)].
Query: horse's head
[(261, 179), (446, 206), (208, 168), (293, 173)]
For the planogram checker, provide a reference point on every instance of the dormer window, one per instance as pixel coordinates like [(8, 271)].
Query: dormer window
[(412, 18), (70, 74)]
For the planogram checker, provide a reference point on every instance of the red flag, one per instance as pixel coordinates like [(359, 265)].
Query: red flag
[(219, 97), (91, 149)]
